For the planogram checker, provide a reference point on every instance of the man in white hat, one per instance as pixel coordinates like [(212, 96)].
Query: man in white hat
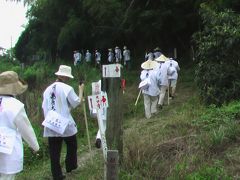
[(97, 59), (149, 87), (173, 69), (157, 52), (126, 57), (77, 57), (58, 99), (118, 54), (88, 57), (162, 73), (14, 125), (110, 56), (149, 55)]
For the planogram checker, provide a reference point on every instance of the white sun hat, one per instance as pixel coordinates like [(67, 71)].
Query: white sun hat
[(149, 64), (10, 84), (161, 58), (64, 71)]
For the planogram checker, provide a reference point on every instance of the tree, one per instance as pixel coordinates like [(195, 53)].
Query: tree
[(217, 73)]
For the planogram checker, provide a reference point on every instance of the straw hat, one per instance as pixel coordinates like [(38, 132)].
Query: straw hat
[(64, 71), (10, 83), (161, 58), (149, 64)]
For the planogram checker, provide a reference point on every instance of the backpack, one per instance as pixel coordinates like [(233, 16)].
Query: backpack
[(171, 70)]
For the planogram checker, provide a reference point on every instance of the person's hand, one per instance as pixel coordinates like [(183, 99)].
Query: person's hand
[(35, 152)]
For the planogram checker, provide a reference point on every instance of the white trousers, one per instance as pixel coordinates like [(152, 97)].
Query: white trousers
[(173, 85), (150, 105), (163, 90), (7, 176)]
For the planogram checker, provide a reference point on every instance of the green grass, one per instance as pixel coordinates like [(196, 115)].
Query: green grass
[(185, 140)]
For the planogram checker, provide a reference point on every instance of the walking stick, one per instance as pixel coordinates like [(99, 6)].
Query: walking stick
[(138, 97), (86, 124), (168, 94)]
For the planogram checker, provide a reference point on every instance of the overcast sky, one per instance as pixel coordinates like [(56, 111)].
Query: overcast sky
[(12, 18)]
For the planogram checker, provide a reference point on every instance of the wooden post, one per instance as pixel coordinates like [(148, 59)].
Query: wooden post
[(114, 130), (112, 164)]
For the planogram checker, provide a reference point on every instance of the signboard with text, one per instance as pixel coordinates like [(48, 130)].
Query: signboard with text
[(111, 70)]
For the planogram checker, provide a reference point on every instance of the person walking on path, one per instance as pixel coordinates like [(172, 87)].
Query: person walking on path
[(77, 57), (118, 55), (110, 56), (173, 70), (58, 99), (88, 57), (157, 52), (149, 55), (97, 59), (127, 57), (14, 126), (162, 73), (149, 87)]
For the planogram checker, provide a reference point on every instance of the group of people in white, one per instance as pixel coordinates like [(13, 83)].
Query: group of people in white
[(158, 76), (116, 56)]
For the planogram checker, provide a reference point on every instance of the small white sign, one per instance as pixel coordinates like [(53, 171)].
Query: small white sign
[(55, 122), (98, 101), (96, 87), (111, 70)]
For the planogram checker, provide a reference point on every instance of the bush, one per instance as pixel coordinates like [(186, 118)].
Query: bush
[(217, 56)]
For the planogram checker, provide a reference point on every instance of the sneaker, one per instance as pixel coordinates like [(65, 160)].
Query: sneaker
[(72, 170), (98, 143)]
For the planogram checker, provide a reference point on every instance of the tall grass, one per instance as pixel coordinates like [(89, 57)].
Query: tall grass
[(185, 140)]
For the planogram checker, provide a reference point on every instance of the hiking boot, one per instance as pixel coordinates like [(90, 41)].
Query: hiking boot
[(98, 143)]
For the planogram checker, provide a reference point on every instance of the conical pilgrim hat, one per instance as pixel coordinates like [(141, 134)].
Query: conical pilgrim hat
[(149, 64), (161, 58)]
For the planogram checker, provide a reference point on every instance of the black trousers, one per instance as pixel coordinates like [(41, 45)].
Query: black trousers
[(55, 146)]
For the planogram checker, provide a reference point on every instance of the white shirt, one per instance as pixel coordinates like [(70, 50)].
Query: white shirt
[(13, 116), (61, 98), (150, 56), (162, 73), (176, 66), (77, 56), (88, 56), (157, 54), (98, 56), (153, 89), (126, 55), (110, 56), (118, 54)]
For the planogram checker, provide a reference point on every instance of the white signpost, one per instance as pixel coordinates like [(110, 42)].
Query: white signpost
[(111, 70), (99, 102)]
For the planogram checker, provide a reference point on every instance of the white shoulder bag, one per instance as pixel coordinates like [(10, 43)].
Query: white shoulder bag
[(55, 122)]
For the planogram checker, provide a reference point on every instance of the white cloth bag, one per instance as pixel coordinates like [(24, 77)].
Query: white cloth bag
[(144, 84), (55, 122)]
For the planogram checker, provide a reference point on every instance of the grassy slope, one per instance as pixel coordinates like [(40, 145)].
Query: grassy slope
[(168, 146)]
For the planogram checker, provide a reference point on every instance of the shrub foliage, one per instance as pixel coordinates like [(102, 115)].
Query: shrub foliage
[(217, 55)]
